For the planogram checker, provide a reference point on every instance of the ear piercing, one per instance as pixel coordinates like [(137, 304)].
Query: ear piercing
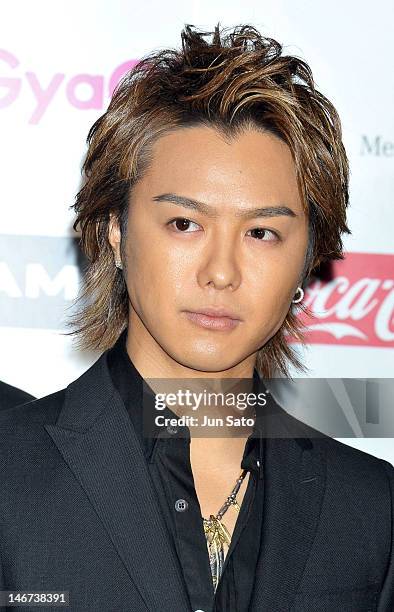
[(299, 299)]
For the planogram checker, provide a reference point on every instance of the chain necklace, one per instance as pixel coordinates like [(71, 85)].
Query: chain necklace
[(217, 534)]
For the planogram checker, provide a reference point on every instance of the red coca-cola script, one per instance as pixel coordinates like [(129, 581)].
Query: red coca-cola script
[(356, 307)]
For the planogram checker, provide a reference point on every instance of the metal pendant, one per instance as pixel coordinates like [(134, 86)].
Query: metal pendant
[(217, 536)]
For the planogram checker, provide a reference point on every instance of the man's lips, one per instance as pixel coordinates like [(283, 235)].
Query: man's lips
[(213, 319), (216, 312)]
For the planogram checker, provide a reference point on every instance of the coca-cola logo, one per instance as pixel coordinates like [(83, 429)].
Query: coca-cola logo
[(82, 91), (356, 307)]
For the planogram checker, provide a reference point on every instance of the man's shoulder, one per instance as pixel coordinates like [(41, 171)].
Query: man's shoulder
[(342, 459), (46, 410), (12, 396), (350, 464), (37, 411)]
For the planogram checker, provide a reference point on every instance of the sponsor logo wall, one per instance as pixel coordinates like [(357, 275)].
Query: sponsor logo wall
[(57, 77), (356, 307)]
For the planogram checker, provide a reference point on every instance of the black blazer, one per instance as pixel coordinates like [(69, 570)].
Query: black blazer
[(78, 512), (12, 396)]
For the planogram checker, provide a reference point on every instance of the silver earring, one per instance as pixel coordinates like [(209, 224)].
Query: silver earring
[(300, 289), (118, 264)]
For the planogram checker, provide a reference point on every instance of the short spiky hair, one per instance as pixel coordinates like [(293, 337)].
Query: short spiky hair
[(228, 79)]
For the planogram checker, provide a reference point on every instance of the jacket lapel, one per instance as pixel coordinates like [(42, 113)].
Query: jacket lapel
[(95, 436), (293, 492)]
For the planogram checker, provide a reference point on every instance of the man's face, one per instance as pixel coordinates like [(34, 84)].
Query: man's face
[(248, 265)]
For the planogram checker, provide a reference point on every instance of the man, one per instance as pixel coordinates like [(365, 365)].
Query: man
[(215, 182), (12, 396)]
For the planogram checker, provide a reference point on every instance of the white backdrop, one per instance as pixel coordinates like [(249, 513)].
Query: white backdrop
[(59, 61)]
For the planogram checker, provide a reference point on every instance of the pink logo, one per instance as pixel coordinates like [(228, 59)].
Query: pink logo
[(357, 306), (98, 86)]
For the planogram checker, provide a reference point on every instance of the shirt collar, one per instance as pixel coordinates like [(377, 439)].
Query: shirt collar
[(129, 383)]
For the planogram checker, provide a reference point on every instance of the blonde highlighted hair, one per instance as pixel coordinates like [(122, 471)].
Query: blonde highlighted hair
[(229, 79)]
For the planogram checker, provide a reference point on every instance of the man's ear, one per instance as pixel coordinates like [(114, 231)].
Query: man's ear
[(114, 235)]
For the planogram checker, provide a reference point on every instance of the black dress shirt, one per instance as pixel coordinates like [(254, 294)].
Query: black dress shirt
[(168, 460)]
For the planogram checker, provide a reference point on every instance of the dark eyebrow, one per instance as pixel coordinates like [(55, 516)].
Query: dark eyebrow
[(210, 211)]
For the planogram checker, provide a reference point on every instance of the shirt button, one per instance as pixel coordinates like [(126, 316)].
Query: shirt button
[(181, 505), (172, 429)]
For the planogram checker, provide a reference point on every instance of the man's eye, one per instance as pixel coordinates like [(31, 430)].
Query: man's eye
[(262, 231), (182, 224)]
